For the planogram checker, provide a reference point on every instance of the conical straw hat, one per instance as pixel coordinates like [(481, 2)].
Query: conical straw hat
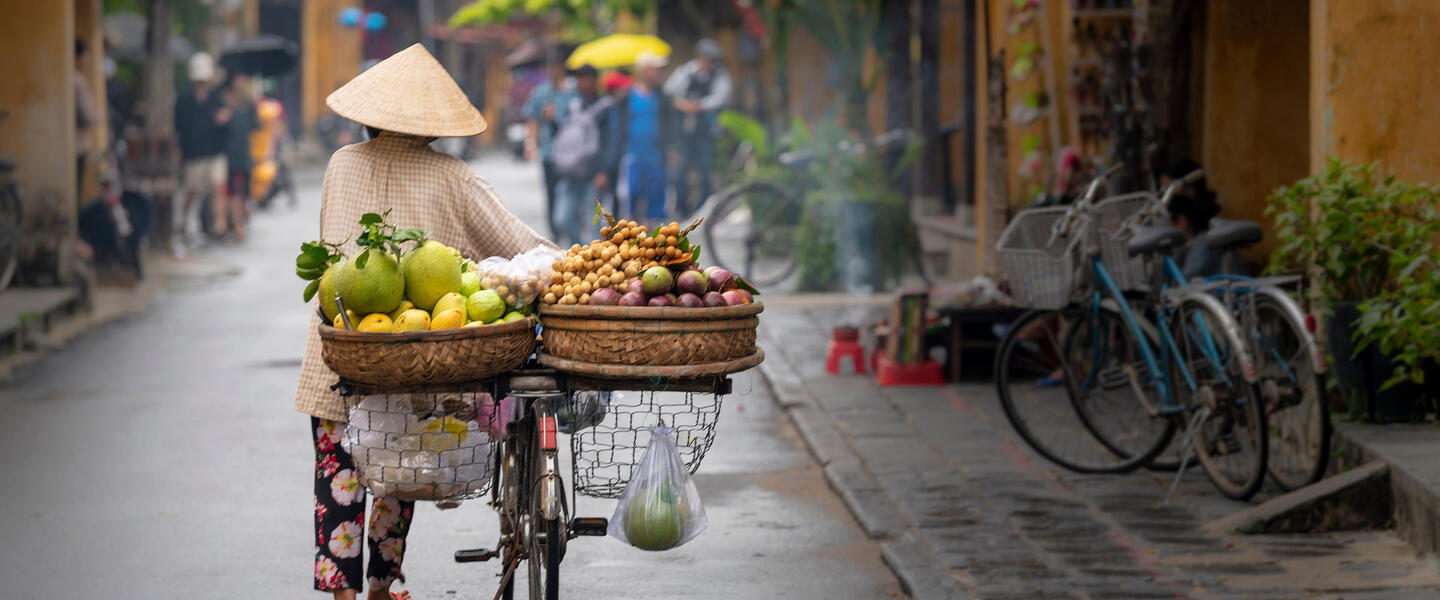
[(408, 93)]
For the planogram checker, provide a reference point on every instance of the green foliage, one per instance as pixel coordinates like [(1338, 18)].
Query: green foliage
[(317, 256), (843, 172), (1374, 241), (578, 17)]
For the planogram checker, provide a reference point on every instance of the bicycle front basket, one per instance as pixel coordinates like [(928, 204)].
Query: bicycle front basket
[(1129, 272), (1041, 271), (605, 454)]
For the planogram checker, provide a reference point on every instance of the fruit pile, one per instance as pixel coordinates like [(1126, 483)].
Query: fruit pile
[(431, 286), (632, 266)]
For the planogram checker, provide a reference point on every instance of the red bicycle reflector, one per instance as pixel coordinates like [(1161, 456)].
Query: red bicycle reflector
[(547, 433), (1310, 323)]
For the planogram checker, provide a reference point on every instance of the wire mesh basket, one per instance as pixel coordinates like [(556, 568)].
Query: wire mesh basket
[(423, 446), (605, 454), (1129, 273), (1041, 271)]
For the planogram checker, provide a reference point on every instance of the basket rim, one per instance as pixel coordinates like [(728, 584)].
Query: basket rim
[(655, 313), (621, 371), (330, 333)]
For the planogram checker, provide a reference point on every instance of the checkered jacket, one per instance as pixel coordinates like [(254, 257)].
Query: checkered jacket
[(422, 188)]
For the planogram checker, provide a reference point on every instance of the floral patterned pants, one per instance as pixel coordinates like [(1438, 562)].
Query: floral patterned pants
[(340, 520)]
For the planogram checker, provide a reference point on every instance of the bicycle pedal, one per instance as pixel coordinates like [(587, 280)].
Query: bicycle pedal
[(474, 555), (595, 526)]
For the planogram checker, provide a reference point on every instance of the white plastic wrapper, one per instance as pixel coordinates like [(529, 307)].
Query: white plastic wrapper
[(521, 279), (430, 451), (660, 508)]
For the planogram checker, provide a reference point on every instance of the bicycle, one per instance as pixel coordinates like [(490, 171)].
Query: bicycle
[(752, 226), (12, 223), (528, 491), (1290, 364), (1128, 382)]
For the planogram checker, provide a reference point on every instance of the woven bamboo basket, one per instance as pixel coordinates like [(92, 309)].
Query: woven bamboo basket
[(427, 357), (649, 335)]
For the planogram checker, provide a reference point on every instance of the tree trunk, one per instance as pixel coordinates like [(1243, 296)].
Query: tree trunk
[(997, 172), (159, 75)]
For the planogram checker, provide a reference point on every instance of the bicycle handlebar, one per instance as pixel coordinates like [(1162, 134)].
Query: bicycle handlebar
[(1062, 227), (1152, 209)]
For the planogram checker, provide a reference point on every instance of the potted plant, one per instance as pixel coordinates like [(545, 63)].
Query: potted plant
[(1369, 246)]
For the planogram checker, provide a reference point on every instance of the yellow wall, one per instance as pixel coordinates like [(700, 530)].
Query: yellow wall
[(36, 46), (331, 56), (1256, 112), (1373, 83)]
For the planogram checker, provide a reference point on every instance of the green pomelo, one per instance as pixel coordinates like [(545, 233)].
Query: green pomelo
[(377, 288), (431, 271), (651, 523), (485, 305), (329, 286), (512, 316)]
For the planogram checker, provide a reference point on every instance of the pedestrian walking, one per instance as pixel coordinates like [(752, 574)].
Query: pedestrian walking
[(231, 210), (700, 88), (647, 126), (545, 110), (585, 150), (405, 102), (200, 120)]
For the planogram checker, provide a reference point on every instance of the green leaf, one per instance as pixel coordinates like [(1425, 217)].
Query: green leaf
[(599, 210), (311, 289), (745, 285), (369, 219), (362, 260), (308, 274), (695, 253)]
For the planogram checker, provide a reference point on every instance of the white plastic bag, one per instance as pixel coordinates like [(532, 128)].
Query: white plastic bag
[(518, 280), (660, 508)]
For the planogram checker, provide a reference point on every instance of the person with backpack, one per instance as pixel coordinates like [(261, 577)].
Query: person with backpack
[(700, 88), (583, 151), (647, 129)]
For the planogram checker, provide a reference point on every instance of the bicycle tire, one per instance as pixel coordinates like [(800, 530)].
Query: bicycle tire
[(1231, 443), (1126, 426), (11, 226), (1298, 423), (1056, 432), (722, 206)]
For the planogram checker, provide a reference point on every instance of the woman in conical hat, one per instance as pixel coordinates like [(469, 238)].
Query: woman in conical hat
[(404, 102)]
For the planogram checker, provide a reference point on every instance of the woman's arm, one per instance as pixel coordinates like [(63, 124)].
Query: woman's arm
[(490, 228)]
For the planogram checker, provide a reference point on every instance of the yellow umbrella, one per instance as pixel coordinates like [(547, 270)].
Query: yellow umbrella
[(616, 50)]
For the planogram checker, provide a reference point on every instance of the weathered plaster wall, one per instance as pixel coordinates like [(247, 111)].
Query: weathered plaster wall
[(36, 45), (1256, 125), (330, 56), (1374, 81)]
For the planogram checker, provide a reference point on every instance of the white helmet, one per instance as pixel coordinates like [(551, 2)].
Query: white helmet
[(201, 67)]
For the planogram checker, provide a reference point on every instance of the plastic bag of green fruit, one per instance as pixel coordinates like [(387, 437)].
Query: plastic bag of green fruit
[(660, 508)]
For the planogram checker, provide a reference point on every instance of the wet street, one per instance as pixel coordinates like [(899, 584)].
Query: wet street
[(160, 457)]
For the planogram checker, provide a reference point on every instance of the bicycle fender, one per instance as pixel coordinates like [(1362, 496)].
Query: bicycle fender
[(1231, 329), (1297, 319)]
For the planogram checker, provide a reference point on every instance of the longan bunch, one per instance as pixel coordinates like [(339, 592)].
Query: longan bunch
[(624, 251)]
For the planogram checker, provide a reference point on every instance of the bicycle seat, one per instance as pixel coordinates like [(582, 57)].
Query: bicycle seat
[(1225, 234), (1148, 240)]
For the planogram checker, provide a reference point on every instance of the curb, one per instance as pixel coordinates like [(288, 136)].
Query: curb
[(920, 573)]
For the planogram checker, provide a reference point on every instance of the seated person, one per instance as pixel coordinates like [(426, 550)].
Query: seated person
[(1191, 209)]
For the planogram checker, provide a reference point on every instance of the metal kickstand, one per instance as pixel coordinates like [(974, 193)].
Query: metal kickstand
[(1187, 448)]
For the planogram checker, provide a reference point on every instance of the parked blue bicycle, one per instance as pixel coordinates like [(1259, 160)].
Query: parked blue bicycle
[(1098, 379)]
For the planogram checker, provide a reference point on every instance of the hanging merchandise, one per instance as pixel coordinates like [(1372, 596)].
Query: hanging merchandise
[(1022, 14), (660, 507), (1025, 58)]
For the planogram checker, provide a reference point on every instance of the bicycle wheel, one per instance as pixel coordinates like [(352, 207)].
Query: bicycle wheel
[(1040, 397), (1114, 394), (1296, 411), (750, 230), (11, 227), (544, 543), (1231, 441)]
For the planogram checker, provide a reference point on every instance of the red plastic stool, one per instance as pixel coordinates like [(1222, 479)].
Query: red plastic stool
[(923, 373), (845, 341)]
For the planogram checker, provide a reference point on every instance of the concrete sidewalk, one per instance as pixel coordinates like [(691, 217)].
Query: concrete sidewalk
[(965, 509)]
